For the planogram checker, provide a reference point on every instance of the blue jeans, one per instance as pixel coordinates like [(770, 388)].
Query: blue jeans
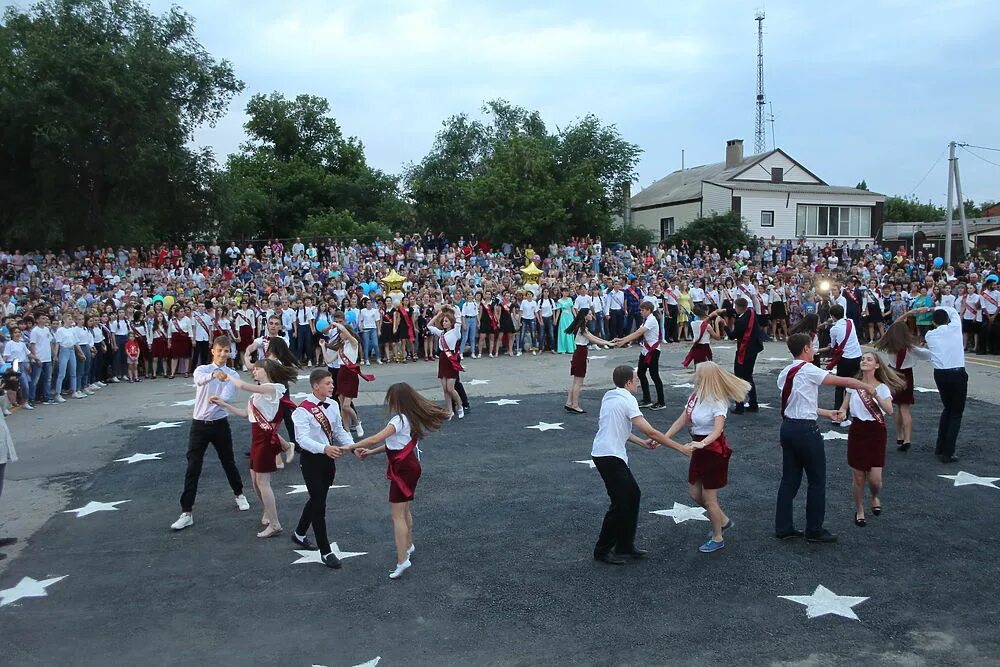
[(528, 327), (596, 326), (67, 369), (469, 334), (802, 449), (41, 377), (83, 368), (28, 383), (369, 343), (548, 334)]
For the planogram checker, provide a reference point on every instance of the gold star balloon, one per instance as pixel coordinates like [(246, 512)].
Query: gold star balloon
[(530, 274), (393, 282)]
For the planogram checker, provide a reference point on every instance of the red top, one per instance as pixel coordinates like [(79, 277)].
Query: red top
[(132, 348)]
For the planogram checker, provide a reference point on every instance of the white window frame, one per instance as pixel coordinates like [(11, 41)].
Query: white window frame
[(851, 221)]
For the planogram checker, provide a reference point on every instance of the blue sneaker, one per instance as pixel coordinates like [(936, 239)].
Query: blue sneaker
[(728, 525), (710, 546)]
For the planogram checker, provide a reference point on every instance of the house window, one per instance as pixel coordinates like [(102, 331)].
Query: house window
[(666, 228), (777, 174), (842, 221), (767, 218)]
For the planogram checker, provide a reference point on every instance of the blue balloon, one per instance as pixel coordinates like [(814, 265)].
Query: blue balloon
[(992, 277), (938, 262)]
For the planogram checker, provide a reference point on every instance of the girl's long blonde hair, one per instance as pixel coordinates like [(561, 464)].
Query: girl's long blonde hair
[(713, 382)]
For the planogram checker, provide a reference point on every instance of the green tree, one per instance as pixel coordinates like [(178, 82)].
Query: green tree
[(910, 209), (98, 101), (726, 231), (862, 185)]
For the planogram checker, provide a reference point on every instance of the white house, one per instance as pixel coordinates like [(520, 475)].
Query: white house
[(774, 194)]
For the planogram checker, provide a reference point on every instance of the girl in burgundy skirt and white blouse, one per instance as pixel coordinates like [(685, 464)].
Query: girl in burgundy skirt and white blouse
[(412, 417), (705, 416), (578, 364)]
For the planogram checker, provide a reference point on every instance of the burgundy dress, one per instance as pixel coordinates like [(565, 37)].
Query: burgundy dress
[(578, 364), (711, 464), (866, 444)]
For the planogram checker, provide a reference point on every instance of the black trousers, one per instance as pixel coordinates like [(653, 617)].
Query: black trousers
[(654, 372), (318, 472), (670, 323), (460, 390), (744, 371), (622, 517), (617, 323), (801, 451), (953, 386), (218, 434), (846, 368), (201, 354), (633, 322)]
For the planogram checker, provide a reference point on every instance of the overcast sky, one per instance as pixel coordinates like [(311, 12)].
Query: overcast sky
[(860, 90)]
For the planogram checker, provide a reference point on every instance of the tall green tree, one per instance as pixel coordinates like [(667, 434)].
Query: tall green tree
[(98, 101)]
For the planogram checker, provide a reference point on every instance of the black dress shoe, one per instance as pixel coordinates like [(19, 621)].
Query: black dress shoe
[(304, 542), (753, 408), (2, 556), (331, 561), (824, 537), (791, 535), (466, 408), (948, 459), (609, 558), (903, 447), (634, 552), (7, 541), (739, 410), (860, 522)]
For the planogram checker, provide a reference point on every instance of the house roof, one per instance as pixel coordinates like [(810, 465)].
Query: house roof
[(685, 184), (796, 187)]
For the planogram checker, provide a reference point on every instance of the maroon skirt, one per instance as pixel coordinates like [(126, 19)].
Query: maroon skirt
[(246, 337), (347, 382), (445, 369), (578, 364), (263, 449), (180, 346), (409, 470), (904, 396), (701, 352), (866, 445), (160, 349), (710, 465)]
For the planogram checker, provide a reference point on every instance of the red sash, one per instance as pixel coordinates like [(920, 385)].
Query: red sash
[(354, 367), (394, 458), (264, 424), (631, 290), (786, 391), (673, 294), (743, 288), (838, 349), (197, 318), (744, 342), (650, 349), (851, 294), (450, 355), (493, 318), (900, 357), (697, 341), (989, 297), (689, 407), (324, 423), (405, 312), (967, 308), (873, 408)]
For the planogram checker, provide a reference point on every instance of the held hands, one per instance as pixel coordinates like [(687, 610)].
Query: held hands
[(333, 452), (220, 376), (216, 400), (837, 415), (362, 453)]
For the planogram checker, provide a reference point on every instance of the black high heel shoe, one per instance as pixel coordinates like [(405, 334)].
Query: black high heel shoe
[(876, 509), (860, 523), (903, 447)]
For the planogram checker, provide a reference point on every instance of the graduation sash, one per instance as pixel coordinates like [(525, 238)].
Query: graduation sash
[(697, 341), (405, 312), (263, 423), (450, 355), (354, 367), (318, 415), (393, 459), (873, 408), (838, 349), (989, 297), (747, 336), (786, 390), (900, 357)]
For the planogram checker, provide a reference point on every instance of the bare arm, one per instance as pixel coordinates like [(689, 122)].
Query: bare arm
[(638, 333), (374, 439), (594, 339), (232, 409), (647, 429)]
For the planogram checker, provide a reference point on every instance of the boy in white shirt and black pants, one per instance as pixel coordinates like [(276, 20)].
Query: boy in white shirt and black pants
[(845, 349), (619, 413), (649, 355)]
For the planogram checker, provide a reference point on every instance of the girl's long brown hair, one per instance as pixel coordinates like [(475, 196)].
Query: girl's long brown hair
[(277, 371), (885, 374), (423, 415), (898, 337)]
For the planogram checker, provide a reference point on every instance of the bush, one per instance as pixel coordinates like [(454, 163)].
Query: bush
[(640, 237), (341, 225), (725, 231)]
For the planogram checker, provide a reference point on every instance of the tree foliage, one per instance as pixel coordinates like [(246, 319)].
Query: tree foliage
[(507, 177), (98, 99), (725, 231)]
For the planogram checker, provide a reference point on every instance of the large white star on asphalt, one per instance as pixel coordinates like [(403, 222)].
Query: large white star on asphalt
[(681, 513), (834, 435), (27, 588), (823, 601), (301, 395), (301, 488), (135, 458), (473, 383), (506, 401), (303, 377), (766, 406), (545, 426), (157, 426), (777, 359), (314, 556), (589, 464), (965, 479), (93, 506), (925, 390), (188, 403), (722, 347), (371, 663), (604, 356), (683, 385)]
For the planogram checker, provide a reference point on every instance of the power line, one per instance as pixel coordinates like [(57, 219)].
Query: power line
[(929, 170), (985, 148), (995, 164)]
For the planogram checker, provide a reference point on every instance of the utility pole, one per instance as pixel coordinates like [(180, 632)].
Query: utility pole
[(760, 131), (954, 188)]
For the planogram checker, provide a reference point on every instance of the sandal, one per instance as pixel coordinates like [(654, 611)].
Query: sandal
[(269, 532), (877, 509), (859, 522)]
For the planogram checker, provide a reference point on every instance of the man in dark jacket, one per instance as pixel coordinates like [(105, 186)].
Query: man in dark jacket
[(749, 339)]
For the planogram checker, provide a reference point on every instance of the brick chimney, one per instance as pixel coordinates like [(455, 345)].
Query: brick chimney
[(734, 152)]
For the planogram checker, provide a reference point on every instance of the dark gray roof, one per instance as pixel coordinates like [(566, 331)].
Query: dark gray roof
[(685, 184), (818, 188), (892, 230)]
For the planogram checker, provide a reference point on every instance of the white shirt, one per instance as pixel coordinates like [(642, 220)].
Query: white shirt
[(704, 413), (207, 386), (202, 323), (41, 338), (581, 301), (857, 406), (470, 309), (16, 351), (369, 317), (83, 337), (451, 337), (705, 337), (401, 438), (266, 404), (65, 337), (968, 306), (804, 398), (545, 307), (852, 349), (945, 347), (529, 307), (652, 335), (309, 434), (618, 408)]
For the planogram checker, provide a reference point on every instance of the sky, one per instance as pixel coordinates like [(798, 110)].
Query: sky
[(860, 90)]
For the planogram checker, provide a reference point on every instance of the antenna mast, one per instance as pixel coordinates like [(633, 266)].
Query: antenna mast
[(760, 132)]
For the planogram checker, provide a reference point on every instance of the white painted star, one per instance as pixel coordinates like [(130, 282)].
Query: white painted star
[(371, 663), (545, 426), (506, 401), (722, 347), (965, 479), (473, 383), (925, 390), (301, 395), (135, 458), (823, 601), (303, 377), (157, 426), (301, 488), (776, 359), (314, 556), (27, 588), (681, 513), (94, 506), (834, 435), (589, 464), (596, 357), (683, 385), (766, 406), (187, 403)]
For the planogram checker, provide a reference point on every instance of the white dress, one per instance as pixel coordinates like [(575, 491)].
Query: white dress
[(7, 453)]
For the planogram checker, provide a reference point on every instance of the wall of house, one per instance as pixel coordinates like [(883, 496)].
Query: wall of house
[(785, 206), (681, 213), (762, 170), (715, 199)]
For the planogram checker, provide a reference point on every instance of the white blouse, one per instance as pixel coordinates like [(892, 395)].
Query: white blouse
[(266, 404)]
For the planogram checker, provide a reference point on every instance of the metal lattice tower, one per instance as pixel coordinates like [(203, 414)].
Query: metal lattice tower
[(760, 131)]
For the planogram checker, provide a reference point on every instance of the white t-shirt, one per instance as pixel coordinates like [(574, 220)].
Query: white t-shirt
[(65, 337), (704, 413), (267, 404), (804, 399), (857, 406), (16, 350), (618, 408), (852, 349), (652, 335), (581, 301), (401, 438), (350, 351), (705, 337), (528, 309), (41, 337), (369, 317)]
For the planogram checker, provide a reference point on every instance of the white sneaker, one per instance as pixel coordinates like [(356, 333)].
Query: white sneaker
[(7, 413), (115, 380), (29, 406), (846, 423), (400, 569), (88, 391), (461, 413), (79, 394), (518, 353), (183, 521), (100, 385), (242, 504), (60, 399), (360, 431), (410, 550)]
